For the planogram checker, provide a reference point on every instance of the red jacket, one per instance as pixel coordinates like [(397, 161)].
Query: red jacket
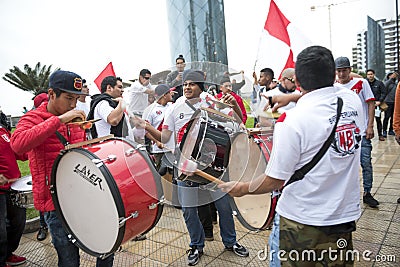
[(240, 103), (35, 134), (8, 159)]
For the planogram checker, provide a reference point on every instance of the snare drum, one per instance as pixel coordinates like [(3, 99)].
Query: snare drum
[(21, 192), (250, 155), (105, 194), (207, 141)]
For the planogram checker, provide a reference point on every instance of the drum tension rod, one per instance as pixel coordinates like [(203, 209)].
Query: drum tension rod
[(152, 206), (123, 220), (109, 159)]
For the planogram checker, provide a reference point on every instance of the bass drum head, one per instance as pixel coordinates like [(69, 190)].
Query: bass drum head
[(85, 197), (246, 162)]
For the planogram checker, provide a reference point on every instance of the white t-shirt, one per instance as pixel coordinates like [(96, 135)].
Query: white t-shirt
[(154, 114), (101, 111), (363, 90), (329, 193), (136, 98), (84, 106), (180, 113)]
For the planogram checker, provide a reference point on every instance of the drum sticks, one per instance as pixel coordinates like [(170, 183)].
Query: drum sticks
[(188, 166)]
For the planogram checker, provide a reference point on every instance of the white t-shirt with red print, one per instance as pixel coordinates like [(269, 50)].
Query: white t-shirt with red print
[(363, 90), (329, 193)]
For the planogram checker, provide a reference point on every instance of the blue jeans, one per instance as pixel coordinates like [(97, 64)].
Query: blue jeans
[(273, 243), (12, 224), (366, 148), (190, 197), (68, 253)]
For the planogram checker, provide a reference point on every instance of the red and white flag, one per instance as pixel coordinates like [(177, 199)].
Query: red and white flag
[(108, 71), (280, 42)]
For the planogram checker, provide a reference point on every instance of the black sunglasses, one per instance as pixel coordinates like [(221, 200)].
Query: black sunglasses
[(147, 78)]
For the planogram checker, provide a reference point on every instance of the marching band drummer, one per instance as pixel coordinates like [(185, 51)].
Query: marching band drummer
[(12, 217), (41, 133), (176, 121), (317, 211)]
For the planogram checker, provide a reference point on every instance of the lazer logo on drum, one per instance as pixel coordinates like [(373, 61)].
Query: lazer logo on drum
[(86, 174)]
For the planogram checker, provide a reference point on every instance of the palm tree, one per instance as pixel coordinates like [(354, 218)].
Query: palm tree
[(31, 80)]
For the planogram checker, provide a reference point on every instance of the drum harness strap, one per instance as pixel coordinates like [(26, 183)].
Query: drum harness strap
[(300, 173), (62, 139)]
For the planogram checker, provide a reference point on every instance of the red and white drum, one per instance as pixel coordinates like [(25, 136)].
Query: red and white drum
[(105, 194), (248, 159)]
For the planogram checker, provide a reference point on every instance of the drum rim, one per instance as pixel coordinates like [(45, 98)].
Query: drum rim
[(114, 192), (271, 213)]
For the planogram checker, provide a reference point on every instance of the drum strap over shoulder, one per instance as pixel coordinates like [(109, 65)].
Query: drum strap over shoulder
[(62, 138), (300, 173)]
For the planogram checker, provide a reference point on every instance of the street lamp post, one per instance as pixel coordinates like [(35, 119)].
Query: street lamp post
[(329, 17)]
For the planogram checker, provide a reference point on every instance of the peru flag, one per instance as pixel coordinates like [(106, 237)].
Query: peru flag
[(280, 42), (108, 71)]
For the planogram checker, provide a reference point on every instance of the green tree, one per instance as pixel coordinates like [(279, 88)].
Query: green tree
[(31, 80)]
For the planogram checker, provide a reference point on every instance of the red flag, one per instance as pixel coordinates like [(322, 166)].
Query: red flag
[(280, 42), (108, 71)]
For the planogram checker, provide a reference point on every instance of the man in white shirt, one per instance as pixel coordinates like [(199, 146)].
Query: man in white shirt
[(137, 95), (154, 114), (109, 108), (81, 103), (363, 90), (317, 212)]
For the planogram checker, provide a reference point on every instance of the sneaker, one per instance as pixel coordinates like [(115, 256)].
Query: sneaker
[(391, 132), (384, 134), (381, 138), (42, 233), (370, 200), (15, 260), (194, 256), (238, 250)]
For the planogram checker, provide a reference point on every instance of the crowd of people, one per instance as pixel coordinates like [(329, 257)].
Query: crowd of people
[(317, 180)]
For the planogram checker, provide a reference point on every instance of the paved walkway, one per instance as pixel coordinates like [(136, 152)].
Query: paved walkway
[(378, 231)]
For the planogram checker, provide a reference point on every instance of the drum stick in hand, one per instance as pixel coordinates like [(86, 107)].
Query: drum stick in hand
[(189, 166)]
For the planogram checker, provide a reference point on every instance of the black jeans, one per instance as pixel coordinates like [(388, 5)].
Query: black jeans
[(12, 224), (379, 125), (388, 115)]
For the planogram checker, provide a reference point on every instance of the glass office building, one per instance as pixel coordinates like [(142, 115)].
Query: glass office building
[(375, 48), (197, 30)]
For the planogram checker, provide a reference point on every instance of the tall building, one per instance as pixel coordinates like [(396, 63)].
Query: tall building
[(197, 30), (391, 53), (376, 48)]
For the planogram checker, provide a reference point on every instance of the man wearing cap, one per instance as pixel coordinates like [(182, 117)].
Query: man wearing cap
[(109, 107), (36, 135), (136, 96), (363, 90), (154, 114), (190, 197)]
